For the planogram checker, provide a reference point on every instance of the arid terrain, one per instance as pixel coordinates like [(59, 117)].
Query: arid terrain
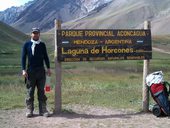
[(83, 117)]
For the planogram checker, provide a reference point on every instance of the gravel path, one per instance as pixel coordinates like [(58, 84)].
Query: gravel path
[(83, 117)]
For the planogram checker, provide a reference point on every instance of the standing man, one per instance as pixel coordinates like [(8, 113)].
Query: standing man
[(34, 51)]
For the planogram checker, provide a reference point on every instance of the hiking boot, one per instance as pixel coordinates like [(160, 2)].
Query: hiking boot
[(45, 114), (29, 108), (43, 109), (29, 113)]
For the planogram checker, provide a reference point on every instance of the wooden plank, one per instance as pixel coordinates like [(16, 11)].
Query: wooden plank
[(58, 70), (145, 101)]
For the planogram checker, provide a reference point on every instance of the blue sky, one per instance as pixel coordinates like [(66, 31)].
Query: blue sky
[(4, 4)]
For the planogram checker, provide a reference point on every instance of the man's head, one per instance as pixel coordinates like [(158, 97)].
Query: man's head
[(35, 34)]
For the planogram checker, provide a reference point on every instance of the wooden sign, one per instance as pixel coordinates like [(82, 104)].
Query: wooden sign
[(101, 45)]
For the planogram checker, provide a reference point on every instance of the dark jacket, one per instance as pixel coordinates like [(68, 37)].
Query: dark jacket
[(37, 60)]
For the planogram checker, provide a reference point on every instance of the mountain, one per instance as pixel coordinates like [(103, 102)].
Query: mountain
[(114, 14), (124, 14), (11, 42), (11, 39), (43, 12), (10, 15)]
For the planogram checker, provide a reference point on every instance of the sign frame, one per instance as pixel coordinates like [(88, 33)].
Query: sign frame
[(103, 44)]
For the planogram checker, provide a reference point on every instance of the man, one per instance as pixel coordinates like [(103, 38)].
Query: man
[(34, 51)]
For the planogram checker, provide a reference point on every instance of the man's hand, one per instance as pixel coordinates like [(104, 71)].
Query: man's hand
[(24, 73), (49, 72)]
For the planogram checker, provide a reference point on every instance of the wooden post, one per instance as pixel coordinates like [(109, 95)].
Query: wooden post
[(145, 101), (58, 101)]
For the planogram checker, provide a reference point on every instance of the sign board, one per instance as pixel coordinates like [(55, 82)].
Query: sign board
[(100, 45)]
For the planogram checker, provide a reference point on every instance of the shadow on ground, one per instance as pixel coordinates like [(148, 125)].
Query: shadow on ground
[(73, 115)]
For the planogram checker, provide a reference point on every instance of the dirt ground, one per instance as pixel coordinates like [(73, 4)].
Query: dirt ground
[(83, 117)]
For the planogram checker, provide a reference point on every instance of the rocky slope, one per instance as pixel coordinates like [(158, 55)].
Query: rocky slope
[(128, 14), (42, 13), (115, 14), (10, 15)]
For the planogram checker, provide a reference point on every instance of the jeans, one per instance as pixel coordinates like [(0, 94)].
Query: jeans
[(36, 78)]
